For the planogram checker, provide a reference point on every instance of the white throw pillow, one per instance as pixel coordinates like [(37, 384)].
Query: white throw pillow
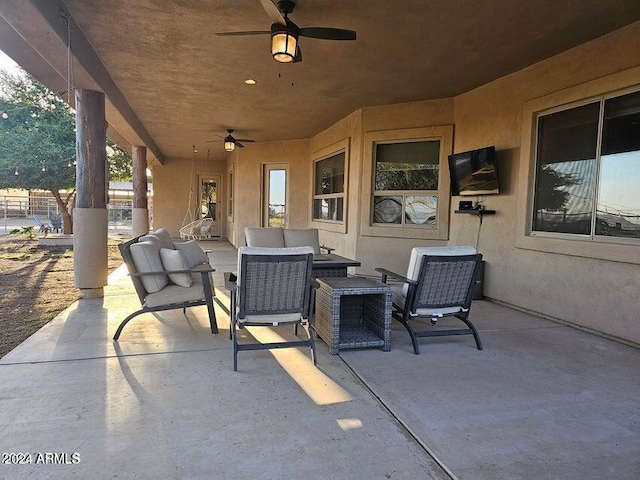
[(193, 253), (174, 260)]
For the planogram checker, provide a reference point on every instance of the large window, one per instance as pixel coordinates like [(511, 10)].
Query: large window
[(406, 184), (588, 169), (329, 189)]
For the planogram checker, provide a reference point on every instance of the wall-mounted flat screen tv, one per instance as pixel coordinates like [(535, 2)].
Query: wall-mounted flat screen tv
[(474, 172)]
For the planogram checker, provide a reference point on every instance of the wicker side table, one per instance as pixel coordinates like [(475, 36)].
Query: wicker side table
[(353, 312)]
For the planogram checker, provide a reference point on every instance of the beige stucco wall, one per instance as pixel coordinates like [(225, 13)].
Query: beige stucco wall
[(248, 165), (172, 184), (348, 129), (374, 251), (591, 292), (595, 293)]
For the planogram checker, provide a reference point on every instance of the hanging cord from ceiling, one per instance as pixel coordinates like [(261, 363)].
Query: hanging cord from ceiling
[(189, 213), (70, 73)]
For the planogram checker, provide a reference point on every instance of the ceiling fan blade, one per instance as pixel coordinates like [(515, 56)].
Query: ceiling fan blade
[(327, 33), (246, 140), (212, 141), (251, 32), (272, 11), (238, 144)]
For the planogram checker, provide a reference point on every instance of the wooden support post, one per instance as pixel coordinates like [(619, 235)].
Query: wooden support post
[(139, 176), (140, 212), (91, 153), (90, 215)]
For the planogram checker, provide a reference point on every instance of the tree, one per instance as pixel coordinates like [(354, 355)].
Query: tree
[(37, 140), (120, 164), (552, 188)]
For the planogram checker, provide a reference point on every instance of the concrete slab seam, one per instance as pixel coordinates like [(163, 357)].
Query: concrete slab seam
[(82, 359), (400, 421)]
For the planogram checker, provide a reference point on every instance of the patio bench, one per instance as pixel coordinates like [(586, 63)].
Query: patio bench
[(168, 276)]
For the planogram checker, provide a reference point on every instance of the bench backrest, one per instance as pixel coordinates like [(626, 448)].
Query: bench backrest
[(125, 251)]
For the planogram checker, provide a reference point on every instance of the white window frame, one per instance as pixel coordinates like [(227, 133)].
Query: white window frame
[(443, 134), (605, 248), (339, 226)]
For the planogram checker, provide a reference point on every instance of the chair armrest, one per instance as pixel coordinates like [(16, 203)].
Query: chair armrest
[(328, 249), (230, 281), (388, 273), (197, 269), (202, 268)]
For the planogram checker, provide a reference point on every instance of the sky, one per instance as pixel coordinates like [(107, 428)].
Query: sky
[(6, 63)]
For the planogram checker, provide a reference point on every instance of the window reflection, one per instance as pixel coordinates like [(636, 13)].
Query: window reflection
[(565, 170), (209, 199), (618, 207), (421, 209), (387, 209), (329, 189)]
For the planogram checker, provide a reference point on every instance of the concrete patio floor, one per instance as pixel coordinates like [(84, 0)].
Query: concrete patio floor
[(542, 401)]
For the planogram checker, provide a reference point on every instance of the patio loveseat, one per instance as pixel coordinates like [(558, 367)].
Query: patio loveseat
[(168, 276), (278, 237)]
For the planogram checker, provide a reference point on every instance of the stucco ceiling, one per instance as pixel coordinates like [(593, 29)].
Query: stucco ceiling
[(185, 84)]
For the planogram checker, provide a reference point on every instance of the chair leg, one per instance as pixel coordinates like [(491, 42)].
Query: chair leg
[(314, 353), (473, 330), (206, 284), (295, 329), (125, 321), (412, 334), (232, 312), (234, 337), (235, 355)]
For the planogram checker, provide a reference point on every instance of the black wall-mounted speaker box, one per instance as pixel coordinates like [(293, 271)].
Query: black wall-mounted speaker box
[(466, 205)]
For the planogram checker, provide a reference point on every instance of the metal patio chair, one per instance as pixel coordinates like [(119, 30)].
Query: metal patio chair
[(45, 227), (439, 283), (56, 222), (273, 287)]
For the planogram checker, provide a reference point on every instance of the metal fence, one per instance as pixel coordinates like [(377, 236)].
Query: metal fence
[(18, 212)]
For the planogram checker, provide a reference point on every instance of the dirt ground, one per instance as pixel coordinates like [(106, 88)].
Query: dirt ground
[(36, 283)]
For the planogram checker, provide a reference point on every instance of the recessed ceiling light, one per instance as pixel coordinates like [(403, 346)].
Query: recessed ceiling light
[(250, 81)]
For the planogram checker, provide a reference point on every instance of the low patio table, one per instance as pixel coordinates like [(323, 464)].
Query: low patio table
[(353, 312), (330, 265)]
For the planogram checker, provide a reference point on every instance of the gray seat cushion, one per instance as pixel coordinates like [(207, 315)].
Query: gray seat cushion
[(161, 237), (307, 237), (175, 294), (146, 258), (193, 253), (264, 237)]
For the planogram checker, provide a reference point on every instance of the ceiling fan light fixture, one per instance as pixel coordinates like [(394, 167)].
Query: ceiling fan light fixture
[(229, 145), (284, 41)]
